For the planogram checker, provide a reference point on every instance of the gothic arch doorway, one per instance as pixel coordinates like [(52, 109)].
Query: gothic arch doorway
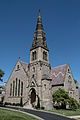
[(33, 95), (34, 98)]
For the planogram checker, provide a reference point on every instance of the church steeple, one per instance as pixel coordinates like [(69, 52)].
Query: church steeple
[(39, 25), (39, 50), (39, 39)]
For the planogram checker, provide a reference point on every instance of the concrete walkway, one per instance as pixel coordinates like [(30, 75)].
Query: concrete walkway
[(75, 117)]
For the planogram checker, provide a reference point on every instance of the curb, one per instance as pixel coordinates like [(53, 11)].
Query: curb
[(75, 117)]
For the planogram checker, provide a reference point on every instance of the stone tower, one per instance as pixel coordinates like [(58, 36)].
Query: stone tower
[(40, 69)]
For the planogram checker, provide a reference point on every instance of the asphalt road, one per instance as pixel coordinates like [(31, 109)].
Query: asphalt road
[(42, 114)]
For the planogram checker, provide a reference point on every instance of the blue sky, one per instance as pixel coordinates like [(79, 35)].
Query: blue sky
[(61, 21)]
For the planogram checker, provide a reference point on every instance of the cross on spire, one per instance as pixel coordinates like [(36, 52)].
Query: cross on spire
[(39, 12)]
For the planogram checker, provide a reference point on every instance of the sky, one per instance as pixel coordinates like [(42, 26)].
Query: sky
[(61, 21)]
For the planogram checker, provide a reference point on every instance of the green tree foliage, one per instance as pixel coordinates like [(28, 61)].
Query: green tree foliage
[(1, 74), (61, 99), (73, 103)]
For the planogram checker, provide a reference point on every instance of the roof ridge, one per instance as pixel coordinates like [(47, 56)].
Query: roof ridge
[(23, 67), (23, 62), (59, 66)]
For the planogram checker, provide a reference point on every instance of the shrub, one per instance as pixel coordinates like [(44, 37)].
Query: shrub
[(73, 104), (61, 99), (13, 104), (42, 108)]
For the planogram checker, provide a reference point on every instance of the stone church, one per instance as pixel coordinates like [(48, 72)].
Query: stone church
[(34, 83)]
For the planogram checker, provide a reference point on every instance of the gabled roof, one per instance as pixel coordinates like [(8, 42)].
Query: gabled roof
[(24, 65), (58, 74)]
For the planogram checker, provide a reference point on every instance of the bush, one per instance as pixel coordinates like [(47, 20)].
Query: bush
[(17, 104), (61, 99), (42, 108), (73, 104), (7, 103), (13, 104)]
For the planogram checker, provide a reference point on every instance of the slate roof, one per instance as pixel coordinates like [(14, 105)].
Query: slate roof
[(58, 74)]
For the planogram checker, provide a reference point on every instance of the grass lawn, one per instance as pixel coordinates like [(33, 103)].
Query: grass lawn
[(67, 112), (12, 115)]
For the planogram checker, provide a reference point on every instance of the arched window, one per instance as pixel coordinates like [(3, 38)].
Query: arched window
[(16, 88), (45, 55), (13, 88), (19, 88), (34, 56), (69, 77), (17, 67), (10, 89), (45, 86), (33, 76)]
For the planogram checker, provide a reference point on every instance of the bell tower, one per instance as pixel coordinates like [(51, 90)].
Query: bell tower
[(39, 49), (39, 69)]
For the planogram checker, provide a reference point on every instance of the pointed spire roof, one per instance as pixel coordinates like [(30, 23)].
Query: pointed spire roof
[(39, 25), (39, 39)]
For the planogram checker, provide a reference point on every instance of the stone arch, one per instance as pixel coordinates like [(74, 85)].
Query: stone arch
[(32, 94), (34, 98)]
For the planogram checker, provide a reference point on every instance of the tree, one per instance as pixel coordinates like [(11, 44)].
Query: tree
[(61, 99), (1, 74)]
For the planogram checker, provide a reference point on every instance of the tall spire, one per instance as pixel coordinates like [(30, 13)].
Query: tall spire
[(39, 12), (39, 39), (39, 25)]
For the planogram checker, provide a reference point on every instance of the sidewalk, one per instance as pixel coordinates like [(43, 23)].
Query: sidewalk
[(77, 117)]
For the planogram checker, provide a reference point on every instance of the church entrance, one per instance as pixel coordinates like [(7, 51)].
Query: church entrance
[(34, 99), (33, 95)]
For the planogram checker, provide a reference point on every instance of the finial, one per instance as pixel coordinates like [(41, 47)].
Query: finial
[(39, 12)]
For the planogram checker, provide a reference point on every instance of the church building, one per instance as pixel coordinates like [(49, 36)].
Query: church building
[(34, 83)]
